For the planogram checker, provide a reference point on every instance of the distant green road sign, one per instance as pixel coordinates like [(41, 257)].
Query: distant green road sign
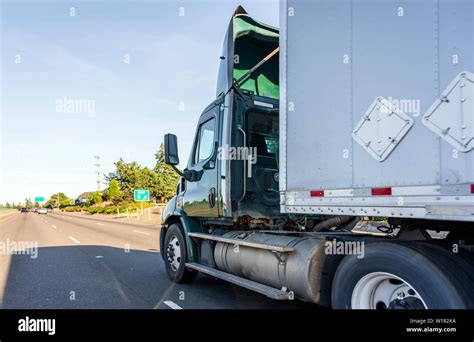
[(39, 199), (141, 195)]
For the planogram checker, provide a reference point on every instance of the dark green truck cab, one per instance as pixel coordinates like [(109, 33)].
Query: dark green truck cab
[(234, 219)]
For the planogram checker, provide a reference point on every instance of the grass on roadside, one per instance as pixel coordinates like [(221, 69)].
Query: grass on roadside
[(108, 210)]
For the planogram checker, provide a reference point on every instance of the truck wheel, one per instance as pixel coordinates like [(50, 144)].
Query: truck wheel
[(175, 256), (403, 276)]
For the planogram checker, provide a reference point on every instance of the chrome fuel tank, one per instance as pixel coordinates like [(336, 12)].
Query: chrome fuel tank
[(299, 271)]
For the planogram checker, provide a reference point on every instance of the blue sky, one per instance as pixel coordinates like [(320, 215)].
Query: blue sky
[(48, 55)]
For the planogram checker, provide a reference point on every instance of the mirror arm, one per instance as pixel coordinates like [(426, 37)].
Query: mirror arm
[(178, 171)]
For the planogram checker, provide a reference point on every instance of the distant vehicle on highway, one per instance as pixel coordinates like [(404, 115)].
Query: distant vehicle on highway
[(42, 211), (50, 210), (24, 210)]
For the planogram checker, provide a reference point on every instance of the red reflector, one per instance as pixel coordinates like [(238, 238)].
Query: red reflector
[(317, 193), (381, 191), (472, 188)]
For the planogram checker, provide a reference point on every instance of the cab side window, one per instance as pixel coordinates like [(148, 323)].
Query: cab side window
[(205, 143)]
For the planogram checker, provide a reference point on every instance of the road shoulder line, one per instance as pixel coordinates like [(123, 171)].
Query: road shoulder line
[(172, 305)]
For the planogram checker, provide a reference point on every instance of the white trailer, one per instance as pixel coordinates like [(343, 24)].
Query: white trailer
[(376, 108)]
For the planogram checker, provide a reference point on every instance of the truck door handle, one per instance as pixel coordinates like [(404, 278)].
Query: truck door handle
[(212, 197)]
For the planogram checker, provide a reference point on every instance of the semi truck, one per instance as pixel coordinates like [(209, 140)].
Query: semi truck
[(336, 163)]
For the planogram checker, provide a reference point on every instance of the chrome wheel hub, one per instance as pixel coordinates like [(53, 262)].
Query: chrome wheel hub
[(381, 290), (173, 253)]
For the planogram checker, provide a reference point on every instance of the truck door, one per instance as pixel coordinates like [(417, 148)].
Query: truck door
[(200, 198)]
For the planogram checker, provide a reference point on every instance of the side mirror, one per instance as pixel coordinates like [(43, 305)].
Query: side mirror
[(192, 175), (171, 149)]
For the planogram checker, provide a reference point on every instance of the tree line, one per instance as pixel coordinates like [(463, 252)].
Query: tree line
[(161, 181)]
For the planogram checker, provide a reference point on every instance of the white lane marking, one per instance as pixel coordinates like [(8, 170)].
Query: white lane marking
[(53, 226), (139, 232), (73, 239), (172, 305), (100, 224), (99, 257)]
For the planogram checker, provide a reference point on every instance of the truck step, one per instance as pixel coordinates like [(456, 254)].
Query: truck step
[(281, 249), (246, 283)]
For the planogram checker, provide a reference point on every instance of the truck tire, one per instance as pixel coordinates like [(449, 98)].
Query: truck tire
[(175, 255), (408, 275)]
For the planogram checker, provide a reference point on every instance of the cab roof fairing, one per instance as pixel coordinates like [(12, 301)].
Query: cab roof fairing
[(241, 24)]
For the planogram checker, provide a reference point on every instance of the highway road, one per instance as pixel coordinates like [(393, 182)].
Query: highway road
[(83, 263)]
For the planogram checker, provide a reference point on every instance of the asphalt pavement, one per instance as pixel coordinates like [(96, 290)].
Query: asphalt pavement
[(66, 262)]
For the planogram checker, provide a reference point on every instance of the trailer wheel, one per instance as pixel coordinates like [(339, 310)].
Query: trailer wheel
[(175, 255), (403, 276)]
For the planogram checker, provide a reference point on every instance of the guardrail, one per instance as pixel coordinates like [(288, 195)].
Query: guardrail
[(137, 213)]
